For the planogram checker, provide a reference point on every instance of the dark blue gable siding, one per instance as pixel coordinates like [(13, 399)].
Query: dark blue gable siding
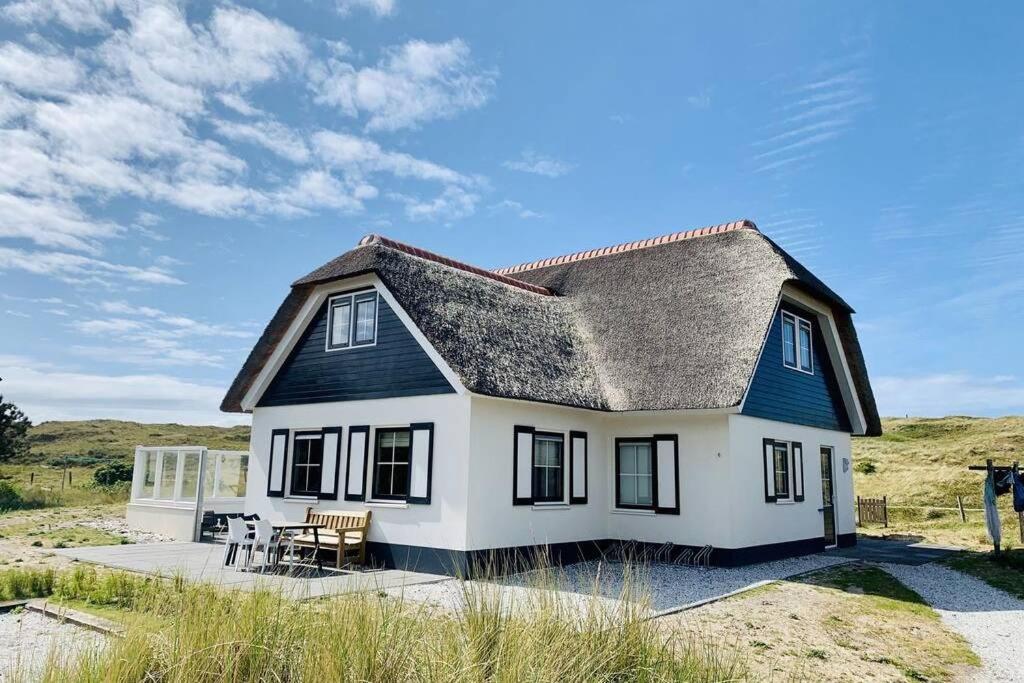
[(788, 395), (396, 366)]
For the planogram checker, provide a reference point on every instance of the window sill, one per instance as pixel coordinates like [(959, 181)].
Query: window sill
[(785, 502), (550, 506), (303, 499), (398, 505), (639, 513)]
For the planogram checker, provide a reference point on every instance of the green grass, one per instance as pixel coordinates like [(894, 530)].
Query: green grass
[(178, 631), (1005, 571), (879, 588), (923, 461), (92, 442)]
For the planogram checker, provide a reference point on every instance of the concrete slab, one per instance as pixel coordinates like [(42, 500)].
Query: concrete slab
[(894, 551), (203, 562)]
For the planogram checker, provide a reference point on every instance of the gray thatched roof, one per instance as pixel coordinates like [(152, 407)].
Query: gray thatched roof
[(673, 323)]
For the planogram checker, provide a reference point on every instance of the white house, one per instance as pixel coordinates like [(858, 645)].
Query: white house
[(696, 389)]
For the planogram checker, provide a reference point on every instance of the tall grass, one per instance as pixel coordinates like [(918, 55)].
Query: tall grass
[(179, 631)]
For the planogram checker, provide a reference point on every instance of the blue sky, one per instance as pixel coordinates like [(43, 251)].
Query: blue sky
[(169, 168)]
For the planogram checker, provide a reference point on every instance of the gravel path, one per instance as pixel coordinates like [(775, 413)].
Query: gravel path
[(991, 620), (663, 586), (26, 640)]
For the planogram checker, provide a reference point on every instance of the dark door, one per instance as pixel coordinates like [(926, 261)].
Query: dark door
[(828, 506)]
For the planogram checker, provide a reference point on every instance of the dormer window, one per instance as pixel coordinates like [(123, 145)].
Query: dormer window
[(352, 320), (796, 343)]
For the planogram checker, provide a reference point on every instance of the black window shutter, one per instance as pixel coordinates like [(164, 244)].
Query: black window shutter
[(522, 465), (421, 457), (331, 463), (278, 463), (358, 453)]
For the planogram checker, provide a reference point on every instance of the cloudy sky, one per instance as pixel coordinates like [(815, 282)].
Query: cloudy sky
[(167, 169)]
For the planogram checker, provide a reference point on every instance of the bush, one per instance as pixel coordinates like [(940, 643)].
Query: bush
[(865, 467), (112, 473), (10, 498)]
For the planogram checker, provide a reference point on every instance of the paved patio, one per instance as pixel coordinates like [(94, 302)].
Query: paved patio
[(203, 562), (893, 551)]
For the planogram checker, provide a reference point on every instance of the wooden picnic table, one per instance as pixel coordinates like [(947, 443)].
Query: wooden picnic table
[(291, 528)]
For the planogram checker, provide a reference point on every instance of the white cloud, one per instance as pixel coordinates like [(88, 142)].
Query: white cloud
[(949, 394), (538, 164), (272, 135), (701, 100), (78, 15), (380, 8), (51, 223), (237, 103), (77, 269), (45, 393), (452, 204), (359, 156), (414, 83), (170, 62), (517, 208), (32, 72)]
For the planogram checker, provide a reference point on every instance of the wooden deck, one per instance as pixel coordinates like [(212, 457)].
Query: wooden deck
[(202, 562)]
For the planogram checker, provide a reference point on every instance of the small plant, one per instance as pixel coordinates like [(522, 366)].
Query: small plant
[(817, 653), (865, 467)]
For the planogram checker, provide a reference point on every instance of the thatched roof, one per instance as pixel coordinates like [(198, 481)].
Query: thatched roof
[(665, 324)]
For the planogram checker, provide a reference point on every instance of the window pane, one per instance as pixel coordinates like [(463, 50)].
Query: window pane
[(148, 475), (643, 459), (340, 321), (805, 347), (643, 491), (788, 342), (209, 475), (627, 489), (234, 471), (365, 315), (190, 476), (400, 480), (401, 439), (168, 474), (781, 470), (627, 459)]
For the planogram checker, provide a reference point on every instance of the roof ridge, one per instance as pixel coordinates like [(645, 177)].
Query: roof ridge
[(628, 246), (452, 263)]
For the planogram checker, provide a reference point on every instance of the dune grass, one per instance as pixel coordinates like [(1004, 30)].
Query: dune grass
[(178, 631)]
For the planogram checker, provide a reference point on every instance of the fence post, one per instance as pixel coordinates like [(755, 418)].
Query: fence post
[(31, 478), (960, 504), (885, 510), (860, 515)]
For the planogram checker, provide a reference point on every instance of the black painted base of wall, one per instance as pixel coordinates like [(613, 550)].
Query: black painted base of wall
[(846, 540), (500, 561)]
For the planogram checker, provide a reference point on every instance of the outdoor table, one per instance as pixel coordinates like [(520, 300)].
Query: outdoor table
[(293, 528)]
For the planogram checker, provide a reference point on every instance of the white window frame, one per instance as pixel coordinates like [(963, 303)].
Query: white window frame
[(635, 441), (790, 473), (798, 353), (353, 299), (374, 435)]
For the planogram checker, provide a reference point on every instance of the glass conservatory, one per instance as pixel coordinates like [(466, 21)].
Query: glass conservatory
[(173, 486)]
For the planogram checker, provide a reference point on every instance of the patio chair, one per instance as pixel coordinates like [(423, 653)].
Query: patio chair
[(238, 539), (345, 534), (266, 540)]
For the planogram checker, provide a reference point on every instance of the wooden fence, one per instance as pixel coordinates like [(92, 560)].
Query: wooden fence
[(874, 510)]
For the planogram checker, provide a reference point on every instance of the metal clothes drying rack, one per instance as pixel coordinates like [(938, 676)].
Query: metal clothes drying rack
[(991, 471)]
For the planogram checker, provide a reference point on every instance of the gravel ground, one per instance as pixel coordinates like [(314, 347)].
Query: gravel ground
[(662, 586), (26, 639), (117, 525), (991, 620)]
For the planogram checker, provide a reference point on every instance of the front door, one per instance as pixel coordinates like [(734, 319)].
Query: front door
[(828, 506)]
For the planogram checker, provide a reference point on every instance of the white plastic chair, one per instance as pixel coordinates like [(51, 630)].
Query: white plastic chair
[(267, 541), (238, 540)]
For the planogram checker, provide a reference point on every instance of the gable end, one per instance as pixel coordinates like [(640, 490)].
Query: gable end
[(396, 365)]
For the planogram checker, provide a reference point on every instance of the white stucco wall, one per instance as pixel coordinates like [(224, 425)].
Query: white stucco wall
[(441, 524), (704, 489), (756, 522)]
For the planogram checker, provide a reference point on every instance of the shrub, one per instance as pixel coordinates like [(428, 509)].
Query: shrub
[(112, 473), (865, 467), (10, 498)]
